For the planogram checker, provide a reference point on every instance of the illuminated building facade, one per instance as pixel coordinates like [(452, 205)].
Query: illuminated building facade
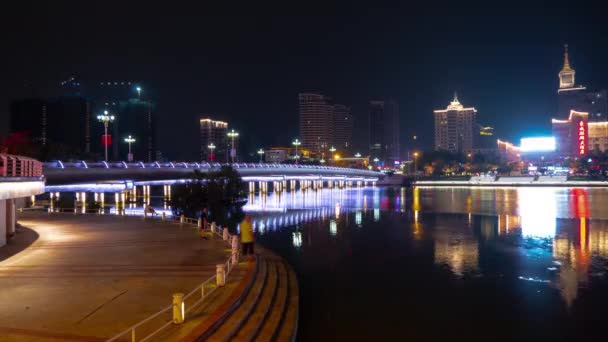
[(454, 127), (508, 151), (576, 97), (214, 132), (316, 121), (384, 131), (282, 154), (572, 135)]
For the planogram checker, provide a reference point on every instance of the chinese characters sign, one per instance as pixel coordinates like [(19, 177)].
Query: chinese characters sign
[(581, 138)]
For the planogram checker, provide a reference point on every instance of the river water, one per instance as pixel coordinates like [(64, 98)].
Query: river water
[(443, 263)]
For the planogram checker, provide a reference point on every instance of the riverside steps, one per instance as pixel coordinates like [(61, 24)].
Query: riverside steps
[(264, 307), (73, 277)]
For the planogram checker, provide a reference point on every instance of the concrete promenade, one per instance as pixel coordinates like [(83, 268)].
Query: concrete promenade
[(86, 278)]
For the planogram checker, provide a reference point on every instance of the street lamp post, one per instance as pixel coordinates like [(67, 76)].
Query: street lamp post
[(332, 150), (138, 88), (211, 147), (105, 119), (357, 155), (415, 163), (296, 143), (232, 135), (261, 153), (129, 140)]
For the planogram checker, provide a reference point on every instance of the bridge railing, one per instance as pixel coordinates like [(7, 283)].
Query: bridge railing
[(187, 165), (19, 166)]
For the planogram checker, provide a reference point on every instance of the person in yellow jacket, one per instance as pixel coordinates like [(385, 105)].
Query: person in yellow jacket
[(247, 238)]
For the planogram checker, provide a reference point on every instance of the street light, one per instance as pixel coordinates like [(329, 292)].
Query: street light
[(415, 162), (105, 119), (357, 155), (296, 143), (232, 135), (138, 88), (261, 153), (332, 149), (129, 140), (211, 147)]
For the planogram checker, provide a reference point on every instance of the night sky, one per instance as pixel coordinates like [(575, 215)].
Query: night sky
[(247, 65)]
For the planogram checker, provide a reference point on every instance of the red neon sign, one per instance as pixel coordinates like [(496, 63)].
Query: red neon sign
[(581, 138)]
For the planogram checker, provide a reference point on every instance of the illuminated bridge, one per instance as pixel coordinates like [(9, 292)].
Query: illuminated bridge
[(122, 176), (20, 178)]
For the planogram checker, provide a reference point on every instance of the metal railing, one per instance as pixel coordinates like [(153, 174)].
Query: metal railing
[(164, 318), (19, 166)]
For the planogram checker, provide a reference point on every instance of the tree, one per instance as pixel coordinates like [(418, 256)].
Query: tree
[(220, 192)]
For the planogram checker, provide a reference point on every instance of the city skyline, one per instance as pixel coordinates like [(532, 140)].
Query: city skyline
[(509, 78)]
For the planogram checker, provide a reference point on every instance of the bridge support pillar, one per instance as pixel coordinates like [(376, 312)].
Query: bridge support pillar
[(134, 193), (251, 187), (10, 219)]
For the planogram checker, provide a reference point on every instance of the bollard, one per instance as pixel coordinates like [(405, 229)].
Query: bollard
[(225, 234), (145, 211), (235, 243), (213, 227), (220, 275), (163, 216), (178, 308), (181, 219), (200, 223), (235, 257)]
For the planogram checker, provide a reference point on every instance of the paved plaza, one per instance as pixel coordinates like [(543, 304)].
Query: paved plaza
[(86, 278)]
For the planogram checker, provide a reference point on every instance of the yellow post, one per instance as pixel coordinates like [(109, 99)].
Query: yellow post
[(178, 308), (220, 275)]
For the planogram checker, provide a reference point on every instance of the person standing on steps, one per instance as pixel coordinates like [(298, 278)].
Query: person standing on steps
[(247, 238)]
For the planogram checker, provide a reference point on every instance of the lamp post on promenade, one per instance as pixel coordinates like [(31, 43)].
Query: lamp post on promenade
[(105, 118), (129, 140), (232, 135), (296, 143), (210, 155)]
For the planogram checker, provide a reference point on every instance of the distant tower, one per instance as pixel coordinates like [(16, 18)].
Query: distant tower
[(214, 132), (343, 127), (566, 75), (316, 121), (384, 130), (454, 127)]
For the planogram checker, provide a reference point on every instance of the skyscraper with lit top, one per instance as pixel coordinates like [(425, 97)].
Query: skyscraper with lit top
[(455, 127)]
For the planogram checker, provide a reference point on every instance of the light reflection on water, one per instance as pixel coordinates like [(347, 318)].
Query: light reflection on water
[(537, 240)]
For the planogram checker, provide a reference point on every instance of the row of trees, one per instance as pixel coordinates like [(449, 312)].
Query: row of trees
[(448, 163)]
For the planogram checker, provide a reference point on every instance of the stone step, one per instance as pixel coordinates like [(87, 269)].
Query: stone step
[(289, 325), (232, 324), (262, 311), (273, 323)]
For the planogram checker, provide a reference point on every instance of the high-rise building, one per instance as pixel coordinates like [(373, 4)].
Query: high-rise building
[(316, 122), (65, 119), (576, 97), (454, 127), (384, 131), (135, 115), (214, 133), (343, 127), (56, 125)]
